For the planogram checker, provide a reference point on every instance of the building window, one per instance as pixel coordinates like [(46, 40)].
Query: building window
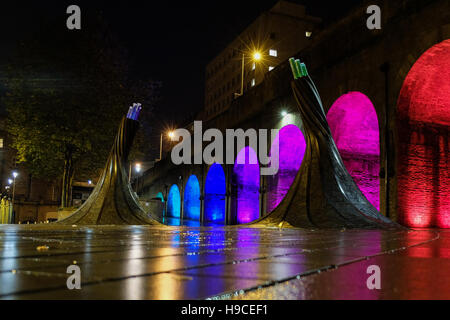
[(254, 66), (271, 68), (253, 82), (308, 34), (1, 143), (273, 53)]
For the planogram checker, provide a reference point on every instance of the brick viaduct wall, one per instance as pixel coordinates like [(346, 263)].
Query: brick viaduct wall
[(344, 57)]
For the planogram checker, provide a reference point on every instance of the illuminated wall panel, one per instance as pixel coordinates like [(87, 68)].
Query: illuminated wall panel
[(423, 135), (354, 125), (174, 202), (245, 186), (291, 147), (192, 199), (215, 190)]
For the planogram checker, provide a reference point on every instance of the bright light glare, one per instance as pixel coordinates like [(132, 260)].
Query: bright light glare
[(257, 56), (284, 113), (10, 181), (137, 167), (171, 134), (15, 174)]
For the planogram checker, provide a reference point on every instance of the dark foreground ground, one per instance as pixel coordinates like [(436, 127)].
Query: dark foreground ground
[(143, 262)]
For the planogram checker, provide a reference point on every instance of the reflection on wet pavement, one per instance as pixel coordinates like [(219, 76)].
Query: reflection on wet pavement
[(148, 262)]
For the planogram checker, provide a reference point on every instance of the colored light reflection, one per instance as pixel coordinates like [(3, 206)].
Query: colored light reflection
[(174, 202), (291, 147), (354, 125), (245, 186), (192, 199), (423, 130), (215, 194)]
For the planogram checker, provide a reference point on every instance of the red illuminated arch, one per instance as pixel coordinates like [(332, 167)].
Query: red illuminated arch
[(423, 115)]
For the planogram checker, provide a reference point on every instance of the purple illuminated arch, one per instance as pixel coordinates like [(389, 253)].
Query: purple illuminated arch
[(291, 147), (354, 125), (245, 186)]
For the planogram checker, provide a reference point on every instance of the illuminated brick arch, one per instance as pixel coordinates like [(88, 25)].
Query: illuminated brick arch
[(423, 122), (215, 194), (353, 123), (245, 185), (160, 196), (174, 202), (191, 199), (291, 147)]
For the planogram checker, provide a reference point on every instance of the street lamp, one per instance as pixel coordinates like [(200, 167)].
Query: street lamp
[(170, 134), (284, 113), (137, 167), (15, 174), (256, 56)]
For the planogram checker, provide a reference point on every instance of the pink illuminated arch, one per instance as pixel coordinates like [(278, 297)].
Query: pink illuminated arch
[(423, 115), (354, 126)]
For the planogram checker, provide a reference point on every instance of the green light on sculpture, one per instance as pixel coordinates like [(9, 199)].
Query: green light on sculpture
[(293, 68), (303, 69), (298, 68)]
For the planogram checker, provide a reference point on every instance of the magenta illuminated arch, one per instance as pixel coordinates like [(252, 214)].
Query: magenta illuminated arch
[(354, 125), (291, 149), (423, 115)]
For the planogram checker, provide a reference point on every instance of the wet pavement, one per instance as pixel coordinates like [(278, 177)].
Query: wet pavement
[(148, 262)]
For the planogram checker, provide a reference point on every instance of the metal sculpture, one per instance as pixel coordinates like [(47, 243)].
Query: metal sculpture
[(113, 202), (323, 193)]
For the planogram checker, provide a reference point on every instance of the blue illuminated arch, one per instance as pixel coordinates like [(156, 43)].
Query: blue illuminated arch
[(174, 202), (245, 186), (192, 199), (215, 189)]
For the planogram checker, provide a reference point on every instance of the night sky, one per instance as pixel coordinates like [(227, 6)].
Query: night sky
[(157, 32)]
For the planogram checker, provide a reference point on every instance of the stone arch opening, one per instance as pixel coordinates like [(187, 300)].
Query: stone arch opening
[(354, 126), (160, 196), (245, 187), (191, 199), (174, 202), (291, 146), (215, 190), (423, 123)]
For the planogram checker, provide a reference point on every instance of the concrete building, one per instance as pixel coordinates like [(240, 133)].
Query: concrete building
[(273, 37)]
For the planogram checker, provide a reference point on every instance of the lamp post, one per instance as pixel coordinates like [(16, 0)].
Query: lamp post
[(256, 57), (15, 174), (170, 134)]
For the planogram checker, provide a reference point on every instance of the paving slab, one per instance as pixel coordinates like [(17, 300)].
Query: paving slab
[(158, 262)]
